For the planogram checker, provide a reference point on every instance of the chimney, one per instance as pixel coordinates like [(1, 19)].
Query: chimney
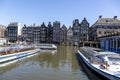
[(100, 16), (25, 25), (115, 17)]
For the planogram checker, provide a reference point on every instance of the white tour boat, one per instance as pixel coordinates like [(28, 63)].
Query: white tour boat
[(47, 46), (104, 64), (13, 53)]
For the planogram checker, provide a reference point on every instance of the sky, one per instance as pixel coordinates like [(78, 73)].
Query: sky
[(39, 11)]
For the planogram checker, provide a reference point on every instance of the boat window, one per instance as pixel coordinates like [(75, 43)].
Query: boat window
[(114, 60)]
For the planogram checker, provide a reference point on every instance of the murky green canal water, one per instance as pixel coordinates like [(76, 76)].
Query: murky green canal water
[(50, 65)]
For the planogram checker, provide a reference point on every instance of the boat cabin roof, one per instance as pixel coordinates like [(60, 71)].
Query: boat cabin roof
[(98, 52), (106, 53)]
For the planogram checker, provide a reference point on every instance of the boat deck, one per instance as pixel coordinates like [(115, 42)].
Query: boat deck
[(112, 69)]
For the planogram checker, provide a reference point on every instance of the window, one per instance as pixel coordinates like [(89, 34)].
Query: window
[(76, 30), (114, 43), (84, 35), (110, 27), (99, 32), (118, 43), (109, 21), (111, 43), (106, 20), (115, 27), (104, 32)]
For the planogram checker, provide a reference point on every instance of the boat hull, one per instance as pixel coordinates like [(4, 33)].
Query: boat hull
[(89, 72), (10, 57), (100, 74)]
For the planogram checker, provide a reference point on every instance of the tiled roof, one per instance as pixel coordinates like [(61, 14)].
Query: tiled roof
[(2, 26), (107, 21)]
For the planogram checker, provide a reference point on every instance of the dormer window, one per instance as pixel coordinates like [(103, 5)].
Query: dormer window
[(106, 21), (109, 21)]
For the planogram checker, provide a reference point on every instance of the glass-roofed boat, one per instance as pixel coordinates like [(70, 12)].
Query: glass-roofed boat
[(104, 64)]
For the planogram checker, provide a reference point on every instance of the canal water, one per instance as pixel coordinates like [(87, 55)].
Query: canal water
[(60, 64)]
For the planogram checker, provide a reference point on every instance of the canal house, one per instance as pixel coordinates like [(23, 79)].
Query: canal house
[(110, 42)]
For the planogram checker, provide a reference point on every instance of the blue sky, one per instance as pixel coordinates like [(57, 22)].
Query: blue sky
[(65, 11)]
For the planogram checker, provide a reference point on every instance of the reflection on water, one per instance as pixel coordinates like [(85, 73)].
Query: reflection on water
[(46, 65), (49, 51)]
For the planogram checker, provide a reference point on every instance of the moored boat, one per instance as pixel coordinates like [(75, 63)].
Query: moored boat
[(104, 64), (13, 53), (47, 46)]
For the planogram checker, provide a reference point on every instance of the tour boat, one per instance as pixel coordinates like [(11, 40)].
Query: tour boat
[(47, 46), (13, 53), (104, 64)]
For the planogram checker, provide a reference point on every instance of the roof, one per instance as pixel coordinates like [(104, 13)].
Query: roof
[(106, 52), (110, 54), (107, 21)]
